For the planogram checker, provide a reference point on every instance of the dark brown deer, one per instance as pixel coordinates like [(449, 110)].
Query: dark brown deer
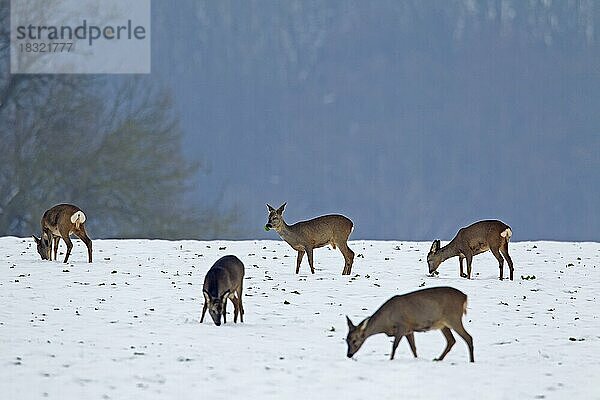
[(305, 236), (224, 280), (475, 239), (60, 222), (424, 310)]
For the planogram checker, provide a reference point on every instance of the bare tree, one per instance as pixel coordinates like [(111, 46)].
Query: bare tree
[(110, 145)]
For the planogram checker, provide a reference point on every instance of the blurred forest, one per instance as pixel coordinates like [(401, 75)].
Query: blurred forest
[(412, 117)]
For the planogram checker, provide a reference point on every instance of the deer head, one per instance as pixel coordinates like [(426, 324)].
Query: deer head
[(434, 258), (216, 306), (356, 336), (275, 218), (43, 247)]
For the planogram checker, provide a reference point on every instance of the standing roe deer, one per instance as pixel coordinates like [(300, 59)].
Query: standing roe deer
[(474, 239), (224, 280), (60, 222), (305, 236), (424, 310)]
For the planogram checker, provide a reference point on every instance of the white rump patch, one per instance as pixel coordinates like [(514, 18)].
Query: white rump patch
[(78, 218), (507, 233)]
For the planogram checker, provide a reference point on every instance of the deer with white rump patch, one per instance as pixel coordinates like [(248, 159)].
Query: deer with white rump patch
[(305, 236), (424, 310), (60, 222), (224, 280), (475, 239)]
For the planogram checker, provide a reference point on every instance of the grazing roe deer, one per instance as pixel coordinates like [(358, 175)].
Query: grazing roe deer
[(305, 236), (427, 309), (475, 239), (224, 280), (60, 222)]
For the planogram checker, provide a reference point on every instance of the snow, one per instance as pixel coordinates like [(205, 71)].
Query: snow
[(127, 326)]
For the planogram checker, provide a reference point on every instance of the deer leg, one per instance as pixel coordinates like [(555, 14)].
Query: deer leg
[(309, 253), (47, 238), (49, 241), (67, 240), (399, 333), (460, 261), (225, 310), (496, 254), (299, 260), (504, 251), (469, 258), (397, 339), (56, 240), (348, 258), (46, 233), (82, 234), (241, 307), (460, 329), (449, 343), (411, 341), (50, 252), (203, 311), (236, 309)]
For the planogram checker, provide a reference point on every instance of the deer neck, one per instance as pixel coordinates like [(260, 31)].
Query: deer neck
[(448, 251), (284, 231), (373, 326)]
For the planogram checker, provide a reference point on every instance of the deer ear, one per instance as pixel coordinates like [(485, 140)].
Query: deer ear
[(36, 239), (281, 208), (224, 296), (270, 208), (206, 296), (363, 326), (432, 249), (351, 326)]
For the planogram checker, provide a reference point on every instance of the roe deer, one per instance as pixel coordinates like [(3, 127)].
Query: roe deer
[(305, 236), (224, 280), (474, 239), (424, 310), (60, 222)]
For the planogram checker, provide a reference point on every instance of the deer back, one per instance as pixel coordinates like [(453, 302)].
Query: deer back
[(322, 230), (421, 310), (226, 274), (483, 235), (62, 217)]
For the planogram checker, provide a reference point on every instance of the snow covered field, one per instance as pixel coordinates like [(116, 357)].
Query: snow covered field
[(127, 326)]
